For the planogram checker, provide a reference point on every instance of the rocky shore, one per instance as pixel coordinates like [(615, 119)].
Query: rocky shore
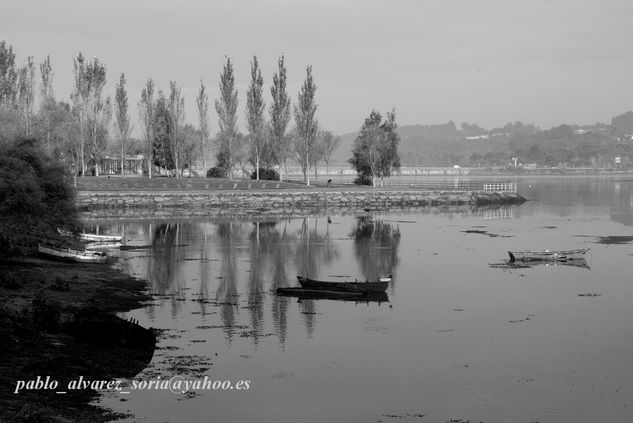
[(278, 200)]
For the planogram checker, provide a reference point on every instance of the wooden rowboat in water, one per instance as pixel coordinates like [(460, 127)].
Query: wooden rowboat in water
[(69, 254), (320, 294), (346, 286), (548, 255)]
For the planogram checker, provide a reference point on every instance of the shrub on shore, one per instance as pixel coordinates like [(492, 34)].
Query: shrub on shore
[(36, 197), (266, 174), (216, 172)]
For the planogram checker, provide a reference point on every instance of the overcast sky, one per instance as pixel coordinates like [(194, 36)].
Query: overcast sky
[(489, 62)]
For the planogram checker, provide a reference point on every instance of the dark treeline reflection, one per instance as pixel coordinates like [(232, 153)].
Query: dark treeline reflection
[(232, 268)]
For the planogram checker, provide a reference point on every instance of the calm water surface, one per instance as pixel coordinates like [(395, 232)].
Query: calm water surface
[(462, 336)]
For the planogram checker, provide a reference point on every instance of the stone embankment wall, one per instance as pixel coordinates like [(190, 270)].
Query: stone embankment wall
[(255, 200)]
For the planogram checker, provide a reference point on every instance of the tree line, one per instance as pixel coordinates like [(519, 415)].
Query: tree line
[(81, 131)]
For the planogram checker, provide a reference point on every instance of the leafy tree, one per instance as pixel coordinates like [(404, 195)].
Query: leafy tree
[(307, 125), (202, 101), (226, 107), (8, 76), (147, 110), (9, 125), (329, 143), (124, 128), (318, 153), (255, 113), (35, 196), (242, 152), (365, 152), (389, 157), (58, 125), (161, 134), (190, 146), (375, 151), (277, 149)]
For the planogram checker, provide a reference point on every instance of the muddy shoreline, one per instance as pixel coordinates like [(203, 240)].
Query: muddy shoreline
[(58, 320)]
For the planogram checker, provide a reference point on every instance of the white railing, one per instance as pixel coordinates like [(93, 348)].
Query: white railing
[(500, 186)]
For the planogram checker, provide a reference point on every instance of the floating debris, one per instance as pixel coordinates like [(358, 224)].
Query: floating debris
[(282, 374), (254, 334), (480, 232), (614, 239), (401, 416), (526, 318)]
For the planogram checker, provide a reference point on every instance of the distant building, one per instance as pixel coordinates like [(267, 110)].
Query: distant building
[(111, 165), (478, 137)]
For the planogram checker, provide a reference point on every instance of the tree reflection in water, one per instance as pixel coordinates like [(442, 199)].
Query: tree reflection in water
[(264, 256), (262, 237), (227, 295), (281, 249), (376, 246)]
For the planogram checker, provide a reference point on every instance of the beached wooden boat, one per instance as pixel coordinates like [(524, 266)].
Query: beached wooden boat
[(100, 238), (69, 254), (109, 245), (345, 286), (92, 237), (319, 294), (548, 255)]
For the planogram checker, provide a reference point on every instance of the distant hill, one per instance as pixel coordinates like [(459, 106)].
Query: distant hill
[(431, 145), (470, 145), (623, 124)]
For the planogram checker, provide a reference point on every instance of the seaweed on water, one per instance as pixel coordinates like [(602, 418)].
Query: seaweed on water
[(614, 239)]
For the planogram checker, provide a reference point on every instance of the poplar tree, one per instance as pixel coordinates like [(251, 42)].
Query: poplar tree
[(99, 110), (226, 107), (26, 93), (94, 113), (147, 108), (46, 89), (202, 101), (329, 143), (80, 102), (124, 128), (255, 113), (8, 76), (48, 105), (176, 109), (307, 125), (277, 150)]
